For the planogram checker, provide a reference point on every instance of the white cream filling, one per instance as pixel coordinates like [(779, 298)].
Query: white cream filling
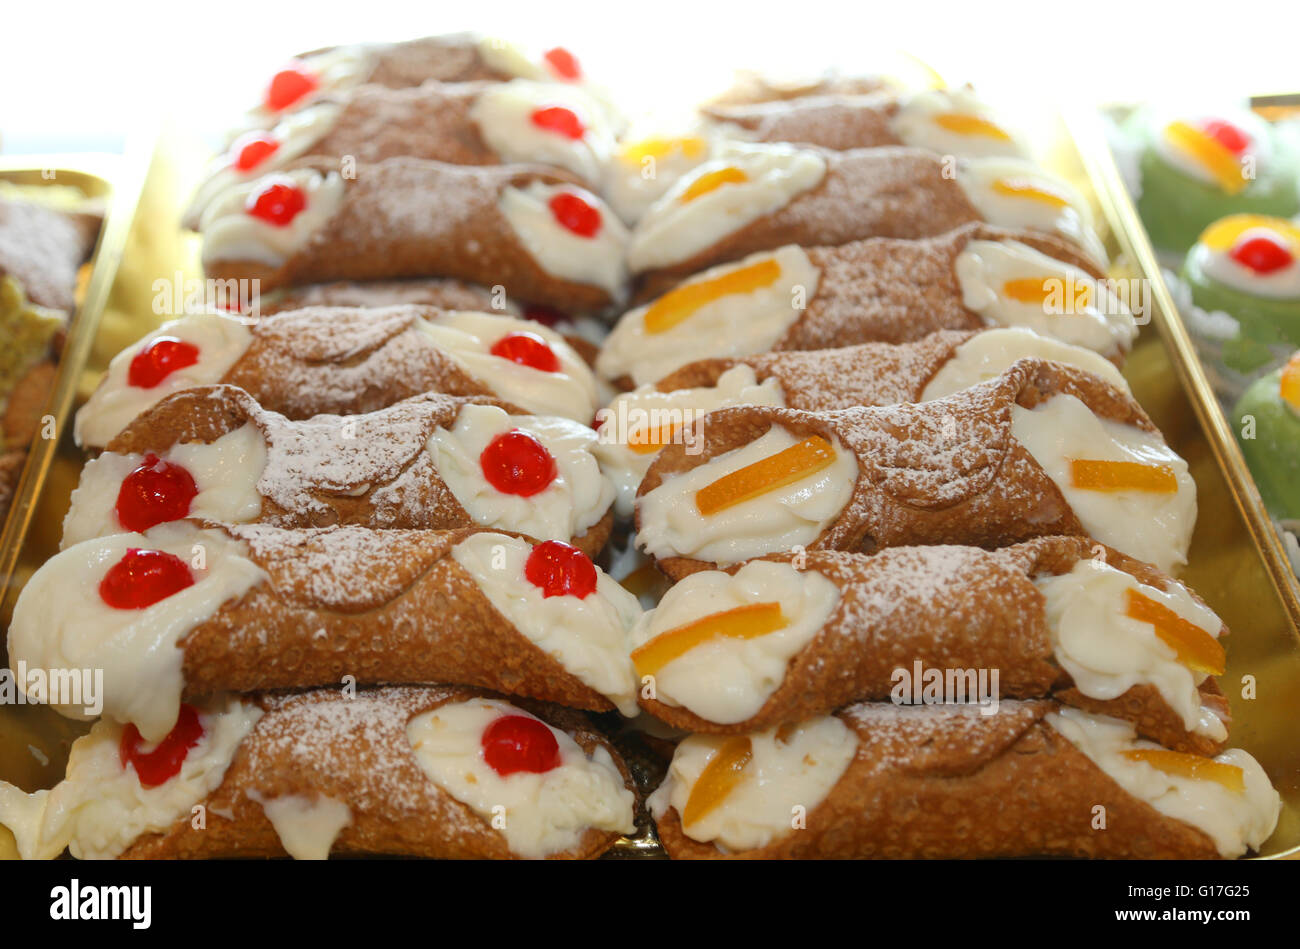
[(738, 324), (727, 680), (577, 498), (1235, 821), (984, 268), (1259, 150), (336, 70), (783, 782), (230, 232), (306, 825), (225, 472), (220, 340), (1107, 652), (671, 525), (978, 177), (916, 126), (100, 808), (673, 230), (543, 813), (595, 260), (1151, 526), (633, 182), (634, 417), (1281, 284), (61, 622), (504, 116), (989, 354), (467, 338), (509, 58), (587, 635)]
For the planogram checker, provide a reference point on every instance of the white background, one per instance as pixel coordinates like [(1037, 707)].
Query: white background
[(81, 76)]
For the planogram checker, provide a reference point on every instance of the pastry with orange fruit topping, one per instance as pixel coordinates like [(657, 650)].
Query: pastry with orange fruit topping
[(528, 228), (954, 781), (875, 290), (778, 639), (431, 462), (343, 361), (400, 770), (1041, 449), (1266, 421), (1197, 169), (190, 608)]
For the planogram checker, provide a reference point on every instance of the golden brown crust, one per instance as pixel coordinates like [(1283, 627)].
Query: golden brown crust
[(837, 122), (752, 88), (355, 751), (938, 782)]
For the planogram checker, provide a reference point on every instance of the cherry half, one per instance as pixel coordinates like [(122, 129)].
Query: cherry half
[(164, 762), (560, 569), (252, 149), (563, 63), (153, 493), (561, 121), (277, 202), (1226, 134), (515, 462), (516, 743), (159, 359), (574, 214), (527, 349), (1262, 254), (142, 578), (290, 86)]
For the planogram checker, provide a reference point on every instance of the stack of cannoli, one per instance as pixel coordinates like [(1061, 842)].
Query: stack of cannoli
[(794, 446)]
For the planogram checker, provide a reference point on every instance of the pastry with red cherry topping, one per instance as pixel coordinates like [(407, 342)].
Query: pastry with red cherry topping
[(432, 462), (344, 361)]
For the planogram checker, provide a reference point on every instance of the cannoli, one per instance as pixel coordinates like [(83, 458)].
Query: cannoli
[(43, 248), (480, 123), (432, 462), (344, 361), (434, 771), (775, 640), (948, 122), (189, 609), (756, 197), (876, 290), (1043, 449), (527, 228), (753, 88), (1034, 779), (636, 424)]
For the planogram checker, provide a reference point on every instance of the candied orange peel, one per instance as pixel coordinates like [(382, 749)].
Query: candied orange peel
[(1183, 765), (679, 305), (712, 181), (1021, 188), (965, 124), (742, 622), (1194, 647), (1090, 474), (792, 464), (1212, 155), (718, 779)]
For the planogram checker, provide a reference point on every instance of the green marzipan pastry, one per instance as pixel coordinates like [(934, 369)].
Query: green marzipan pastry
[(1265, 321), (1273, 454), (1175, 207), (27, 330)]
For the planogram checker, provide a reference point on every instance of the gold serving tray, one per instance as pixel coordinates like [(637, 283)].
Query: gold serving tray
[(1231, 565)]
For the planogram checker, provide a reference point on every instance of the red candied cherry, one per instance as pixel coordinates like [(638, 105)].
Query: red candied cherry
[(155, 492), (563, 63), (252, 149), (164, 762), (558, 119), (1262, 254), (159, 359), (560, 569), (527, 349), (519, 743), (291, 85), (574, 214), (1226, 134), (277, 202), (515, 462), (142, 578), (546, 315)]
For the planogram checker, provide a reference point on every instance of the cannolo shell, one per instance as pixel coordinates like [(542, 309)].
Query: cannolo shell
[(829, 121)]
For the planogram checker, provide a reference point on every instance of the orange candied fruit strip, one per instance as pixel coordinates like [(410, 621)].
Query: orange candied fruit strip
[(1211, 153), (680, 304), (718, 779), (776, 471), (1183, 765), (742, 622), (964, 124), (1289, 386), (648, 442), (712, 181), (691, 146), (1091, 474), (1040, 290), (1195, 648), (1015, 188)]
